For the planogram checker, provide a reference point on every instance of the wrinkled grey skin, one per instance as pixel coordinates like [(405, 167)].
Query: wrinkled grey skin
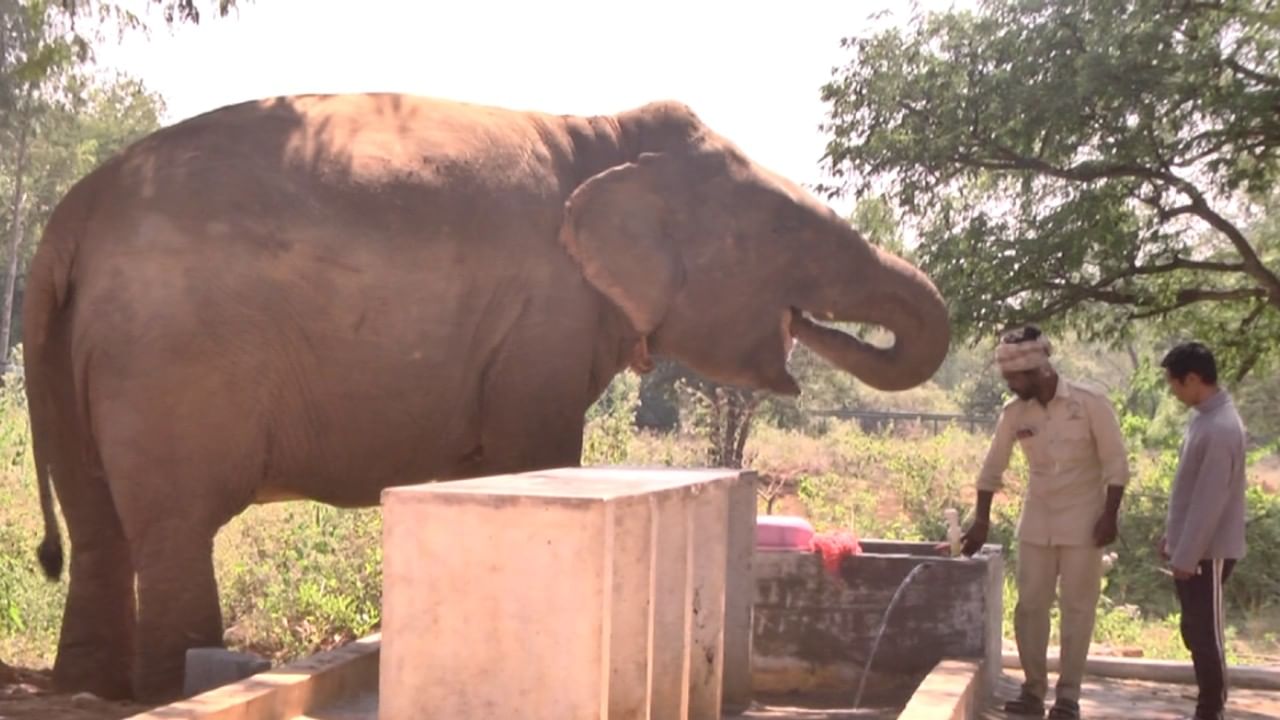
[(320, 297)]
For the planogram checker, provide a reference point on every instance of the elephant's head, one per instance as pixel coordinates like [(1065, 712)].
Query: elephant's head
[(721, 263)]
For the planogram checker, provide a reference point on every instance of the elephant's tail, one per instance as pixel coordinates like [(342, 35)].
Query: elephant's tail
[(50, 551), (48, 290)]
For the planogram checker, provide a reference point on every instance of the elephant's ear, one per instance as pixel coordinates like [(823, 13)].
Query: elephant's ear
[(616, 226)]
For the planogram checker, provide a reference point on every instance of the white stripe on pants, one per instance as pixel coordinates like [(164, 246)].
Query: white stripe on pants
[(1203, 632), (1217, 623)]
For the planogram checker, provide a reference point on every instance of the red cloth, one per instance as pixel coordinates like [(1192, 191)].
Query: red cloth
[(834, 546)]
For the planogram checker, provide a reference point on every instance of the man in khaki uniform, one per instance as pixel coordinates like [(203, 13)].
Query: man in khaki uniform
[(1078, 468)]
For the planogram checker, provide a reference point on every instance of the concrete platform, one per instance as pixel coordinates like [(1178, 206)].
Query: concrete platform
[(365, 707), (570, 593)]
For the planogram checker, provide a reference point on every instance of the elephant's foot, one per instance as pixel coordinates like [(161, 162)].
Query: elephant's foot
[(161, 663), (91, 670), (95, 650), (177, 610)]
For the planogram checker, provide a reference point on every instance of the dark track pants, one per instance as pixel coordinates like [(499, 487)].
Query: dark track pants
[(1203, 632)]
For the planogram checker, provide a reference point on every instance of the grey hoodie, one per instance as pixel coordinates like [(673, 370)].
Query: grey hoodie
[(1206, 505)]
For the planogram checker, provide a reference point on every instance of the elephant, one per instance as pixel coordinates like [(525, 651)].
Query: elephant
[(322, 296)]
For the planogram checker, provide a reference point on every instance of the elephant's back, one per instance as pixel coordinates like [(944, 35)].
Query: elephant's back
[(325, 191), (362, 219), (316, 160)]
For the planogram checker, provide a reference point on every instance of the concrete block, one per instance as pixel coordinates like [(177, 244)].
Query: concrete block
[(739, 597), (296, 690), (211, 667), (951, 691), (572, 593), (706, 646)]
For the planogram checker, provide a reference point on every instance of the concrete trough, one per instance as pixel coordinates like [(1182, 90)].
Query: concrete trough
[(813, 633)]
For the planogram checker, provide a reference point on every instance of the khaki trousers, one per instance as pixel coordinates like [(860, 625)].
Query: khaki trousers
[(1078, 569)]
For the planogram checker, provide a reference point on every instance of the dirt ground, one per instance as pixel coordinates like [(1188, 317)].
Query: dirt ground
[(1267, 472), (27, 695)]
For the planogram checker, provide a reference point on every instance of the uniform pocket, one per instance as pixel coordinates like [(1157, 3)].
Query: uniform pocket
[(1073, 443)]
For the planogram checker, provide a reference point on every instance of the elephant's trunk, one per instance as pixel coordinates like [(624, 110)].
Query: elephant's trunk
[(897, 297)]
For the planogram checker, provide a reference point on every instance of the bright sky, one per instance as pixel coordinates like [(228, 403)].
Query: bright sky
[(751, 70)]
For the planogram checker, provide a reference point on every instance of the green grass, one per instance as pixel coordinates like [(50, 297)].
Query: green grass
[(299, 577)]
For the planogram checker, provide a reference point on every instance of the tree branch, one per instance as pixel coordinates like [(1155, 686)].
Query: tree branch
[(1252, 317), (1086, 171), (1178, 263), (1245, 366), (1091, 170), (1191, 297), (1254, 75), (1073, 295), (1252, 263)]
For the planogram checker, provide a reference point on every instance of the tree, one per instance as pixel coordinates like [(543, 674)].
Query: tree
[(44, 46), (39, 35), (59, 142), (725, 416), (1082, 163)]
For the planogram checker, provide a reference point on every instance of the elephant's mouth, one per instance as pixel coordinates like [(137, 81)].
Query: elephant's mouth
[(800, 325)]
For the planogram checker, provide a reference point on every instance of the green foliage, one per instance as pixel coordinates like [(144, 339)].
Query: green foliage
[(300, 578), (874, 219), (41, 40), (61, 141), (30, 606), (887, 486), (611, 422), (1080, 163)]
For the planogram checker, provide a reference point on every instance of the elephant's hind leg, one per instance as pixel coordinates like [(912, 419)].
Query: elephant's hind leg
[(171, 523), (95, 650), (179, 434)]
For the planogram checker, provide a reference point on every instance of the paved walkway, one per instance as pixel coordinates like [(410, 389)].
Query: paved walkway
[(1111, 699)]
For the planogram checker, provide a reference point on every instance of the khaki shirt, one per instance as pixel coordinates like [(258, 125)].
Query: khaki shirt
[(1074, 450)]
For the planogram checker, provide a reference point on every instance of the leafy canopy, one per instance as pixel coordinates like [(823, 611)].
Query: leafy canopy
[(1081, 163)]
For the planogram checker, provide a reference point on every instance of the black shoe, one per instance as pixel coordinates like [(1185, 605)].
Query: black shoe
[(1025, 705)]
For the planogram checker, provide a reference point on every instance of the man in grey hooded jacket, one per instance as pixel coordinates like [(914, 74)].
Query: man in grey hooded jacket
[(1204, 530)]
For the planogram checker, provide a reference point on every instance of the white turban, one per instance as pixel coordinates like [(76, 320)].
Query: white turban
[(1025, 355)]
